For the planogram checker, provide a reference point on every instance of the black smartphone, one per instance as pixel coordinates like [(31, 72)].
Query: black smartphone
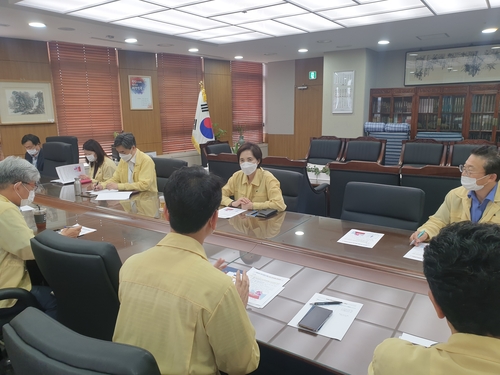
[(315, 318)]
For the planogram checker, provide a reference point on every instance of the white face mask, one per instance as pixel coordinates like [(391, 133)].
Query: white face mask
[(471, 183), (248, 168), (32, 151), (126, 157), (90, 158), (30, 199)]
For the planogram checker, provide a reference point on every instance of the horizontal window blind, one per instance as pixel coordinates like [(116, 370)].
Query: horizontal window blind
[(246, 81), (87, 93), (178, 86)]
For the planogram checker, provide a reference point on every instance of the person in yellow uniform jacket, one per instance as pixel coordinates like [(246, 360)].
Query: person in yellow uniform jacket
[(136, 170), (102, 167)]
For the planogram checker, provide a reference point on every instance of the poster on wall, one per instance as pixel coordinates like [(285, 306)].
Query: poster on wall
[(141, 93), (343, 92)]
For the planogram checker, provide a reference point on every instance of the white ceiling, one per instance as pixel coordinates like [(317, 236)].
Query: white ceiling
[(259, 30)]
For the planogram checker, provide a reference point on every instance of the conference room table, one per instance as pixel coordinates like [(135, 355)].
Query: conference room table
[(301, 247)]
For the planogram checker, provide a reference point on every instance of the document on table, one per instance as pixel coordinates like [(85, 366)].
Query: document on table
[(417, 340), (83, 231), (111, 195), (361, 238), (229, 212), (68, 173), (339, 322), (264, 287), (417, 252)]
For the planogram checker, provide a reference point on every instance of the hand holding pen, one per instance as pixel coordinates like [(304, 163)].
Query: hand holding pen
[(418, 237)]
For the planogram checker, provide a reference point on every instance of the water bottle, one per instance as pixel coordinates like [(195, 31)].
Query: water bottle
[(78, 186)]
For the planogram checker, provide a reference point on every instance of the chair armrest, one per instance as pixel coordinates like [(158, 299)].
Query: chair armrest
[(21, 294), (321, 188)]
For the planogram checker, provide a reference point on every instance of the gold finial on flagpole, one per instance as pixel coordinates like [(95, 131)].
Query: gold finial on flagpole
[(202, 88)]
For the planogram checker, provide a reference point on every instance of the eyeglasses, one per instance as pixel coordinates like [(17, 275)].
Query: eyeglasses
[(467, 171)]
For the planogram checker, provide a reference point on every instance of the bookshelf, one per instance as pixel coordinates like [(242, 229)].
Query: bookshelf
[(391, 105)]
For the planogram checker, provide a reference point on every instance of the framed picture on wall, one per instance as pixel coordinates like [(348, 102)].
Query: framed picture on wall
[(141, 93), (343, 92), (26, 103)]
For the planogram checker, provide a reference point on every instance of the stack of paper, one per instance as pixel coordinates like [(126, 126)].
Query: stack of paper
[(229, 212), (68, 173), (111, 195), (417, 252), (361, 238)]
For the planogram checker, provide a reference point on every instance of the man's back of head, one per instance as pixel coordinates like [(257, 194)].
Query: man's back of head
[(462, 267)]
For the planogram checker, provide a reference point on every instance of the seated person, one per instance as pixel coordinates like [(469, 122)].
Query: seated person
[(101, 166), (252, 188), (461, 265), (178, 306), (477, 200), (136, 170), (34, 151), (18, 179)]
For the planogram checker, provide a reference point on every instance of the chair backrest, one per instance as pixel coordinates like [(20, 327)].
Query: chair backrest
[(223, 165), (39, 345), (291, 187), (460, 151), (421, 152), (84, 277), (73, 141), (342, 173), (213, 147), (364, 149), (385, 205), (435, 181), (56, 154), (324, 149), (164, 168)]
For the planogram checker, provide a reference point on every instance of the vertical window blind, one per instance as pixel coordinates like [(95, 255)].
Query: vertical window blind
[(178, 86), (87, 94), (246, 81)]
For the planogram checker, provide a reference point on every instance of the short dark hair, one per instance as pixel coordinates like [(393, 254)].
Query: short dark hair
[(93, 145), (255, 149), (32, 138), (192, 195), (491, 159), (462, 267), (126, 140)]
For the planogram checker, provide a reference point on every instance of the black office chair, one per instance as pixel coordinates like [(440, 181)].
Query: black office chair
[(460, 151), (215, 148), (422, 152), (324, 149), (39, 345), (56, 154), (84, 277), (164, 168), (223, 165), (73, 141), (364, 149), (291, 187), (385, 205)]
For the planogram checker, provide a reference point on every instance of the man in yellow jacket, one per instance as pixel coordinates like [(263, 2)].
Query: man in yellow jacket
[(136, 170), (477, 200)]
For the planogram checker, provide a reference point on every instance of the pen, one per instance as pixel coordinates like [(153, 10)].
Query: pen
[(326, 303), (418, 236), (96, 185)]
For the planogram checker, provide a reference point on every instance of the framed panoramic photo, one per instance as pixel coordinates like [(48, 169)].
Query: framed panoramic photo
[(26, 103), (453, 65)]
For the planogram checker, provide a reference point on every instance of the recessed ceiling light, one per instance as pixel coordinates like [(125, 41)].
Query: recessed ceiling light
[(324, 41), (299, 233), (130, 40), (413, 54), (193, 50), (490, 30), (303, 50), (496, 47), (383, 42), (36, 24), (238, 57)]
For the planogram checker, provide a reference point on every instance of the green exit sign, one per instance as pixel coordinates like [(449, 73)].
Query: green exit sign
[(313, 74)]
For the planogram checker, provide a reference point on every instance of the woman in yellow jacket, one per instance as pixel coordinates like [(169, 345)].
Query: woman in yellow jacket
[(101, 166)]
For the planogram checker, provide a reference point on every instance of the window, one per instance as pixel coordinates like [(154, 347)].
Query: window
[(178, 85), (87, 94), (246, 81)]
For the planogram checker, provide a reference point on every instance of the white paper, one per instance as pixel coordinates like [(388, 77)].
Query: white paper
[(417, 252), (103, 191), (339, 322), (229, 212), (26, 208), (68, 173), (417, 340), (361, 238), (84, 230), (264, 287), (114, 196)]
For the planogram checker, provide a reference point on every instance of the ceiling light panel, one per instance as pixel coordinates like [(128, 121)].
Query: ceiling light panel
[(117, 10), (154, 26), (455, 6), (387, 17), (309, 22), (237, 38), (175, 3), (494, 3), (372, 8), (218, 7), (214, 33), (60, 6), (272, 28), (315, 5), (185, 19), (261, 14)]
